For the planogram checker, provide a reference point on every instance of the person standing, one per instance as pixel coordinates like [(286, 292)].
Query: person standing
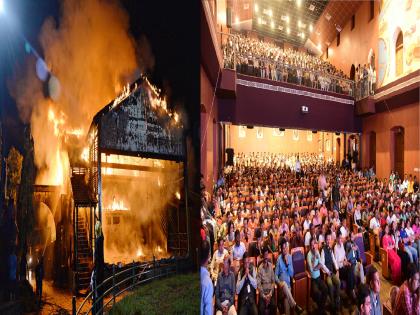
[(283, 274), (206, 305), (39, 275), (374, 282), (12, 275)]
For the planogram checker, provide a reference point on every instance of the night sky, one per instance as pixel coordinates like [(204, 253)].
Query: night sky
[(171, 27)]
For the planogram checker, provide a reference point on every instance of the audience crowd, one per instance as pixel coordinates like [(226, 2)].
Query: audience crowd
[(268, 210), (267, 60)]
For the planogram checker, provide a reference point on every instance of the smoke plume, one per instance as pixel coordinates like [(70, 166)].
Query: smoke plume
[(93, 56)]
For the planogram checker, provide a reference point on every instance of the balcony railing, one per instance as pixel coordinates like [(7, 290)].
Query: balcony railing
[(271, 69)]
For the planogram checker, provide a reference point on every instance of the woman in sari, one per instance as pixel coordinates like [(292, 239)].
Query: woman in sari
[(394, 260)]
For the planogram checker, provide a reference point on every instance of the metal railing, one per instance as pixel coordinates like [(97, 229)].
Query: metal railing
[(284, 72), (122, 281), (274, 70)]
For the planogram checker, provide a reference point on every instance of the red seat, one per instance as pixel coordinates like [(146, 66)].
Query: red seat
[(300, 281)]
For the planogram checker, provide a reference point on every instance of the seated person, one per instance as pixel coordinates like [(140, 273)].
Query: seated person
[(225, 290), (266, 283), (333, 280), (344, 266), (239, 248), (218, 258), (408, 297), (283, 274), (318, 286), (353, 256), (246, 287)]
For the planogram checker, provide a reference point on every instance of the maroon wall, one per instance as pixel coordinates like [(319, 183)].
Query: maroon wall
[(257, 106)]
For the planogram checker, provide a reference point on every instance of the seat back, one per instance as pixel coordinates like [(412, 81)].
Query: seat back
[(358, 239), (298, 259)]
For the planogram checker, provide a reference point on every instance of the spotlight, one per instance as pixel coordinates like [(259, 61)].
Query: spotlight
[(1, 6)]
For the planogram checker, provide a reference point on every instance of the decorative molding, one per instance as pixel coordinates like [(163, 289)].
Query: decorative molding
[(277, 88)]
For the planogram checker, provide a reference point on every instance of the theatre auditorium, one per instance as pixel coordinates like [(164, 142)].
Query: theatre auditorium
[(310, 157)]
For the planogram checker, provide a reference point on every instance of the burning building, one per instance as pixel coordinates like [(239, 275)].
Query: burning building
[(135, 173)]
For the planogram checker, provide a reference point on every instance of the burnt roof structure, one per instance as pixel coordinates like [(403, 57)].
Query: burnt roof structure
[(137, 123)]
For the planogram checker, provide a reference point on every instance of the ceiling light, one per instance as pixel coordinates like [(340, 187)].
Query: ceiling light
[(288, 30), (328, 16), (256, 7), (1, 6)]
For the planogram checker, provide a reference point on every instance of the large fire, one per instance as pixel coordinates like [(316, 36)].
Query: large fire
[(92, 55)]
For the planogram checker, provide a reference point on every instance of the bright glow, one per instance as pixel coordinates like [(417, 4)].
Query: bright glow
[(319, 46), (299, 23), (303, 35), (85, 154), (116, 205), (259, 20), (287, 19), (178, 195), (139, 252), (272, 24), (298, 2), (1, 6), (270, 13), (311, 28), (237, 20), (330, 52), (288, 30), (255, 7)]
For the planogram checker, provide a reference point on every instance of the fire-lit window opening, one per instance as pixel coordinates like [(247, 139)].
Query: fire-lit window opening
[(136, 170)]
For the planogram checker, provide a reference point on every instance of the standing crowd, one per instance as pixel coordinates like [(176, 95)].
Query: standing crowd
[(276, 220), (267, 60)]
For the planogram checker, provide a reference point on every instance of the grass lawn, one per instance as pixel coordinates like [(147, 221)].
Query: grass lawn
[(174, 295)]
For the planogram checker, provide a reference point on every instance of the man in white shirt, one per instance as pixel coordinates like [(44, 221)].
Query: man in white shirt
[(238, 249), (343, 229), (218, 258), (375, 227), (344, 267)]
